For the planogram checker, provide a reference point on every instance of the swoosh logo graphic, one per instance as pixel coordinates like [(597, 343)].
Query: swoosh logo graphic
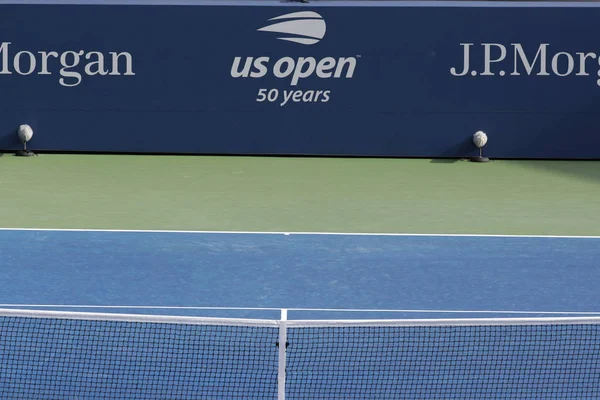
[(304, 27)]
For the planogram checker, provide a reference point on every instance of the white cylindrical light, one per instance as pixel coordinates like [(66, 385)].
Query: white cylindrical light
[(25, 133), (480, 139)]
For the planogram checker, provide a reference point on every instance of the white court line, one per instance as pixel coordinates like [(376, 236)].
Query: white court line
[(353, 310), (301, 233)]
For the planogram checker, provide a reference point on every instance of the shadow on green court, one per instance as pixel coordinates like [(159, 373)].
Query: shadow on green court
[(587, 170), (444, 160)]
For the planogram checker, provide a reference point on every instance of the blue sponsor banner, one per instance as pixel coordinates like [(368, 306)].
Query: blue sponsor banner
[(379, 79)]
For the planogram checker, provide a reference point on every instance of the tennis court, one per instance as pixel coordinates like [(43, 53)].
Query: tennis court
[(331, 271), (326, 238)]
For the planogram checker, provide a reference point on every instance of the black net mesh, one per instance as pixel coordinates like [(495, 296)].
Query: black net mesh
[(48, 358), (454, 362), (78, 359)]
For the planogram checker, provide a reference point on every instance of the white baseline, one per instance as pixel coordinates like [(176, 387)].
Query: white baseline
[(300, 233)]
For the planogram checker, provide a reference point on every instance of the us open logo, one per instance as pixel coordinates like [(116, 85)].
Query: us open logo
[(305, 27), (300, 79)]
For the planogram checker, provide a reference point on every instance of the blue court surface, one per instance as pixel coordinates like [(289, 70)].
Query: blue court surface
[(179, 273)]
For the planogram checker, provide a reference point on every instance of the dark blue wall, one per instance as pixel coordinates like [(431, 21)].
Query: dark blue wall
[(402, 99)]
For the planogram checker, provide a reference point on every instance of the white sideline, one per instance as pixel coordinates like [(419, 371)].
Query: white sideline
[(169, 319), (296, 323), (350, 310), (300, 233)]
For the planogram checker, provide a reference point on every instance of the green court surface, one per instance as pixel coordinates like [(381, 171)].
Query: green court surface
[(300, 194)]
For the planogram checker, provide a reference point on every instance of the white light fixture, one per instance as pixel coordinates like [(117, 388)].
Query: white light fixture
[(480, 140), (25, 134)]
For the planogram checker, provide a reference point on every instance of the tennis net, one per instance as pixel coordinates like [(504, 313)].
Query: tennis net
[(66, 355)]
